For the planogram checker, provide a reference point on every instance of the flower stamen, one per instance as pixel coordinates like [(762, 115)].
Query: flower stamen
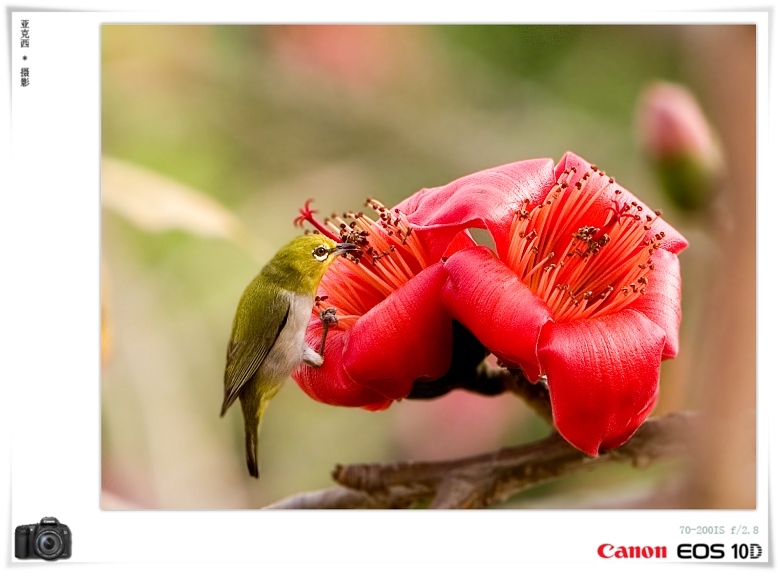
[(390, 255), (599, 269)]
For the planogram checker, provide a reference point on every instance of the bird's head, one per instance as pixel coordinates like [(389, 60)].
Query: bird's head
[(304, 260)]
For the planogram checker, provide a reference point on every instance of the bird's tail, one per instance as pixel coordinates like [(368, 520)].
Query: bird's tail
[(253, 414)]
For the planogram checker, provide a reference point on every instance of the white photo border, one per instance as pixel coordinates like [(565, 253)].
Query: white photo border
[(56, 159)]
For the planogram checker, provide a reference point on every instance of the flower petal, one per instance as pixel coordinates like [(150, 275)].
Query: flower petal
[(672, 240), (330, 383), (603, 377), (499, 309), (661, 301), (406, 337), (487, 199)]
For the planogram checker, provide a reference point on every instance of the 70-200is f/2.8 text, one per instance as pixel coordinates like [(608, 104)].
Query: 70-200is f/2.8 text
[(718, 530)]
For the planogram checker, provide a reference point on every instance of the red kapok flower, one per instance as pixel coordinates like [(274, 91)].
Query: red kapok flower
[(392, 327), (585, 288)]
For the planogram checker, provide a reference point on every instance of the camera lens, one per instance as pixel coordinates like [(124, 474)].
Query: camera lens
[(48, 545)]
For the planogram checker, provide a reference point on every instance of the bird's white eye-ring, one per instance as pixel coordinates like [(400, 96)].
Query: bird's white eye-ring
[(321, 253)]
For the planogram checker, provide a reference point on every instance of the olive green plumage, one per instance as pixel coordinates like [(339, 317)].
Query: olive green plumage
[(267, 340)]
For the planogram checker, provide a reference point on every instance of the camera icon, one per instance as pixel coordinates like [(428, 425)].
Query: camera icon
[(48, 539)]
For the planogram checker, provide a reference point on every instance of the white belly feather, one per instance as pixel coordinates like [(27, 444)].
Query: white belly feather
[(288, 351)]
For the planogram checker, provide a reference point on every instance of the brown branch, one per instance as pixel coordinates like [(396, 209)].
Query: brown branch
[(482, 480), (337, 497)]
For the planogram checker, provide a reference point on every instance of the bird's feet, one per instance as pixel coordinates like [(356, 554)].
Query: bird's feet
[(328, 318), (312, 357)]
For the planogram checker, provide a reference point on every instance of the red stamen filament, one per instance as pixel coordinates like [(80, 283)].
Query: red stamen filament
[(390, 255), (602, 269)]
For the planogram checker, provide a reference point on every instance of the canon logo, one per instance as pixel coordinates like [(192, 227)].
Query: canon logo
[(609, 551)]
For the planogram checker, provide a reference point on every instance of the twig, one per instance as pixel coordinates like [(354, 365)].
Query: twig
[(482, 480)]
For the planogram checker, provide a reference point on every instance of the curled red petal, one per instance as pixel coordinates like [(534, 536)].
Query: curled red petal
[(499, 309), (661, 301), (406, 337), (672, 240), (330, 383), (486, 199), (603, 377)]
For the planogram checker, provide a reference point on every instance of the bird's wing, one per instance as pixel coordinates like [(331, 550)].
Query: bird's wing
[(249, 346)]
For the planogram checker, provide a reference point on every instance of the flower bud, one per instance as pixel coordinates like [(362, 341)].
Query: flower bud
[(681, 145)]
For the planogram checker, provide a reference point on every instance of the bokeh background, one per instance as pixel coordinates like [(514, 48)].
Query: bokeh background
[(214, 136)]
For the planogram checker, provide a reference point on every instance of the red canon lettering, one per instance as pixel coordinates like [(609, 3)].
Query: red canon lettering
[(610, 551), (604, 548)]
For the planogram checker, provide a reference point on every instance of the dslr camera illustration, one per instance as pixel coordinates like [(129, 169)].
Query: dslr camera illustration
[(49, 540)]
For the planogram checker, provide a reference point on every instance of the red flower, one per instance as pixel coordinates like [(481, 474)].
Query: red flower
[(392, 326), (585, 288)]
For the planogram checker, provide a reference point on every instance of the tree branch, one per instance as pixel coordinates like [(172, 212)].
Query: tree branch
[(337, 497), (482, 480)]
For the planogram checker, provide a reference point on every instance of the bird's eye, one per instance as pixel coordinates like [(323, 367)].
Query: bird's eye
[(321, 253)]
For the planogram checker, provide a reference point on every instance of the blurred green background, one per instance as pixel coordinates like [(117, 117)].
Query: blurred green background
[(214, 136)]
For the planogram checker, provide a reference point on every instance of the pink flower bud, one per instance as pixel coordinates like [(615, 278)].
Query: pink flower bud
[(681, 144), (672, 123)]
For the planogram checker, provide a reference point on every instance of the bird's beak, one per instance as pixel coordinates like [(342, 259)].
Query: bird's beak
[(344, 248)]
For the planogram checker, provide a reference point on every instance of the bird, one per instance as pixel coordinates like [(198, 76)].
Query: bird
[(267, 339)]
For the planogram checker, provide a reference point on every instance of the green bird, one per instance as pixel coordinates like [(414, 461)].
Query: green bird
[(267, 341)]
